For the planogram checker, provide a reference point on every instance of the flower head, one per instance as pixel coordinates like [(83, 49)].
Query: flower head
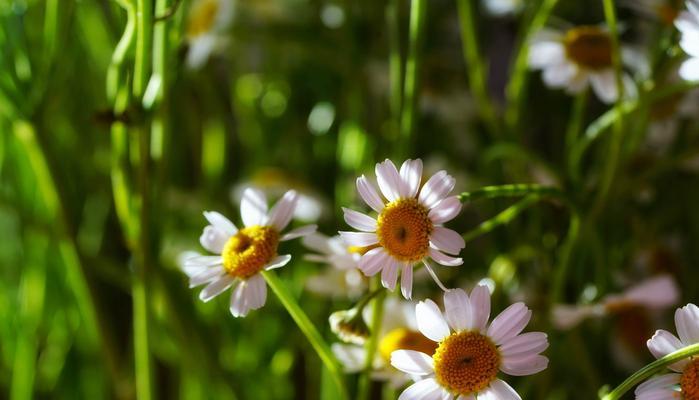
[(408, 229), (206, 22), (244, 253), (684, 381), (470, 353), (688, 25)]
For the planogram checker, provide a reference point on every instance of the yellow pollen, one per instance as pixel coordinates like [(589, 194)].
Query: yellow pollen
[(689, 383), (201, 17), (466, 362), (404, 230), (589, 47), (361, 250), (249, 250), (405, 339)]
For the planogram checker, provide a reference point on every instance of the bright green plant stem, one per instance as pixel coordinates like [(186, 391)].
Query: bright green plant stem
[(395, 64), (503, 218), (576, 120), (364, 389), (308, 329), (513, 190), (652, 369)]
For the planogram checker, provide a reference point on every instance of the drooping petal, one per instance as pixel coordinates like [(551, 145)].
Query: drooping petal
[(524, 365), (216, 287), (509, 323), (687, 323), (444, 259), (543, 53), (426, 389), (299, 232), (529, 343), (253, 207), (206, 275), (359, 239), (352, 357), (411, 174), (447, 240), (359, 221), (430, 321), (369, 194), (660, 387), (480, 307), (499, 390), (221, 222), (406, 281), (457, 309), (389, 180), (278, 262), (445, 210), (604, 85), (389, 274), (373, 261), (213, 239), (202, 261), (412, 362), (559, 75), (436, 188), (256, 291), (280, 215), (656, 292), (663, 343)]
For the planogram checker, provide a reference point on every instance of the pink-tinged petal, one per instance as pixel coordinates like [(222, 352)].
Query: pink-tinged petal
[(658, 387), (457, 309), (412, 362), (350, 356), (687, 323), (220, 222), (299, 232), (657, 292), (663, 343), (411, 174), (256, 291), (213, 239), (659, 394), (389, 180), (369, 194), (447, 240), (529, 364), (430, 321), (359, 221), (499, 390), (253, 207), (436, 189), (434, 276), (444, 259), (280, 215), (216, 287), (359, 239), (480, 307), (406, 281), (206, 275), (278, 262), (446, 210), (529, 343), (567, 316), (426, 389), (389, 274), (373, 261), (509, 323)]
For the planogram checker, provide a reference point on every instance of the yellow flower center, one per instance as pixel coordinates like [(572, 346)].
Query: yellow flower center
[(405, 339), (466, 362), (589, 47), (404, 229), (689, 383), (249, 250), (361, 250), (201, 17)]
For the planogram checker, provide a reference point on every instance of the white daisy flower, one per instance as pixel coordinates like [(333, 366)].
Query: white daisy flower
[(244, 253), (207, 21), (409, 228), (343, 279), (398, 331), (684, 381), (688, 25), (501, 8), (576, 59), (470, 352)]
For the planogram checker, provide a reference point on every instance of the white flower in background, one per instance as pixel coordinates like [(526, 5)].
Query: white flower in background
[(244, 253), (652, 294), (576, 59), (398, 331), (471, 353), (684, 381), (343, 279), (688, 25), (501, 8), (409, 228), (206, 22)]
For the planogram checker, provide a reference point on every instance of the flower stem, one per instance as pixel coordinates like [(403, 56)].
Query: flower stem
[(395, 63), (503, 218), (651, 369), (513, 190), (308, 329), (575, 121), (364, 390)]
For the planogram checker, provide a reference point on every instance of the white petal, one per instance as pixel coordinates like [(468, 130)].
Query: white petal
[(320, 243), (690, 44), (524, 365), (687, 323), (480, 307), (216, 287), (545, 53), (280, 215), (663, 343), (447, 240), (604, 85), (411, 174), (658, 394), (352, 357), (299, 232), (430, 321), (359, 221), (389, 180), (509, 323), (412, 362), (206, 275), (529, 343), (567, 316), (200, 49), (426, 389), (657, 292), (213, 239), (436, 189), (278, 262), (658, 388), (445, 210), (469, 397), (457, 309), (406, 281), (559, 75), (373, 261), (368, 193), (690, 69), (444, 259), (253, 207), (389, 274), (256, 291), (203, 261), (499, 390), (359, 239), (687, 23), (220, 222)]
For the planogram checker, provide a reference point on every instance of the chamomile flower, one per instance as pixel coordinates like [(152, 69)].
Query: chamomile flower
[(684, 381), (207, 21), (343, 279), (576, 59), (501, 8), (409, 228), (471, 353), (688, 25), (244, 253)]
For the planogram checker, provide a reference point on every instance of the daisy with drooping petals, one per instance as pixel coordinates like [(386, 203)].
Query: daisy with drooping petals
[(207, 21), (470, 353), (409, 228), (684, 382), (688, 25), (244, 253), (343, 279), (576, 59)]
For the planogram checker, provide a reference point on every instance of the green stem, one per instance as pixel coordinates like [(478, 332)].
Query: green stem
[(565, 256), (364, 390), (395, 63), (513, 190), (503, 218), (652, 369), (575, 121), (308, 329)]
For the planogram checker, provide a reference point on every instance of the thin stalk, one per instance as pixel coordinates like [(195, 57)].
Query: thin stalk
[(475, 66), (395, 63), (503, 218), (575, 121), (652, 369), (364, 389), (308, 329), (565, 256), (513, 190)]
